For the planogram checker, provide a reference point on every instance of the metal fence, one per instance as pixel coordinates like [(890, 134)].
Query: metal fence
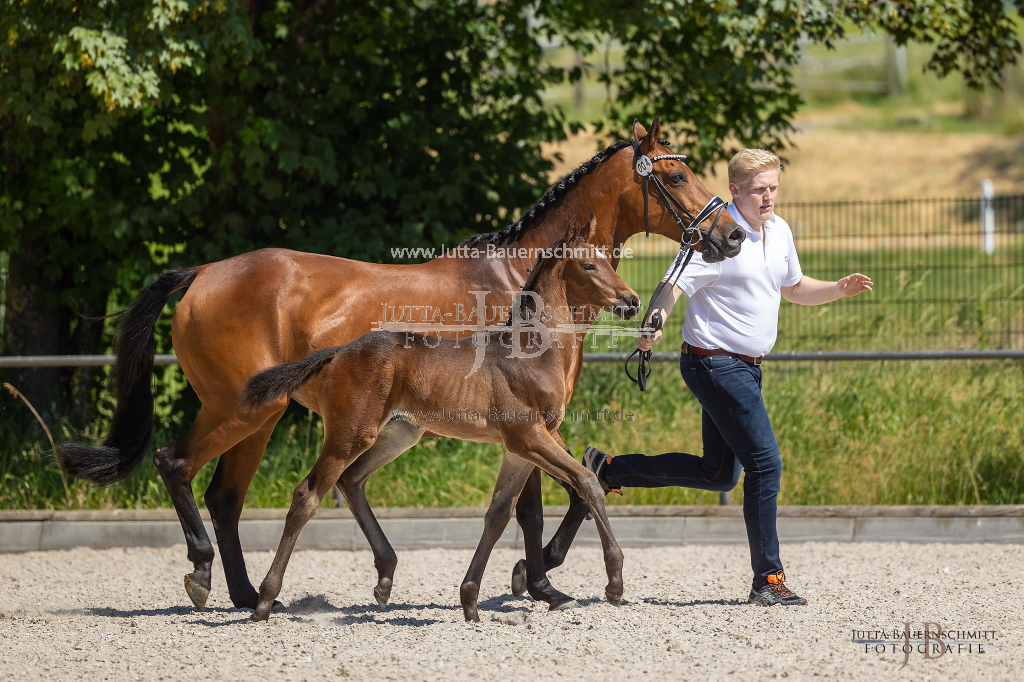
[(948, 273)]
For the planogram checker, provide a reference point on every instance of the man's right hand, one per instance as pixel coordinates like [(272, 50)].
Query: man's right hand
[(647, 341)]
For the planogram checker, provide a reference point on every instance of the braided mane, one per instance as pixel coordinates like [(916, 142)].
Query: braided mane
[(535, 214)]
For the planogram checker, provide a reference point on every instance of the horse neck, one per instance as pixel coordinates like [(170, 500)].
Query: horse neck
[(613, 193), (605, 193)]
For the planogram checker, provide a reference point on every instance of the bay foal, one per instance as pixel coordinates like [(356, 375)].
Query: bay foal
[(517, 400)]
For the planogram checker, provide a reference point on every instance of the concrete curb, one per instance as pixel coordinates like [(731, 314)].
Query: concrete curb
[(460, 528)]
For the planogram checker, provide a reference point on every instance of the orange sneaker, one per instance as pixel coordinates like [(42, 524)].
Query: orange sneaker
[(775, 592)]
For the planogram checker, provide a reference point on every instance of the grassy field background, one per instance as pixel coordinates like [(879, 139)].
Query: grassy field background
[(850, 433), (922, 298)]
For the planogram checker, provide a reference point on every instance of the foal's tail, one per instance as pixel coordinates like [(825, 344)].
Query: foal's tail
[(283, 380), (132, 426)]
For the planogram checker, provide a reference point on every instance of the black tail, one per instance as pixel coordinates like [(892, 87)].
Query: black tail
[(282, 380), (132, 427)]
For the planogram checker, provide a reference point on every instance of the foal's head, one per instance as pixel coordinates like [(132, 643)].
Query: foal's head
[(582, 273)]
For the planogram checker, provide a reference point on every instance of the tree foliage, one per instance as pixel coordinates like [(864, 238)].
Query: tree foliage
[(140, 132)]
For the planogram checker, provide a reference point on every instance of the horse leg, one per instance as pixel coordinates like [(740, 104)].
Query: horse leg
[(530, 514), (394, 439), (546, 453), (178, 463), (511, 478), (530, 505), (336, 455), (224, 498), (558, 546)]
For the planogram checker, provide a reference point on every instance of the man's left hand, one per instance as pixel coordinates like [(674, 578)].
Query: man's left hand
[(854, 284)]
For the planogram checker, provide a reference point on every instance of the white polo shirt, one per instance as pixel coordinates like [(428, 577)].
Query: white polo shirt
[(734, 305)]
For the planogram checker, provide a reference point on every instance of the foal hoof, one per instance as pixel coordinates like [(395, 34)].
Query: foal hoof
[(196, 592), (382, 599), (519, 578), (613, 599)]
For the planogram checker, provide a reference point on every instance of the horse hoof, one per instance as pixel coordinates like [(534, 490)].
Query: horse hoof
[(262, 613), (519, 578), (196, 592), (565, 606), (468, 594), (382, 599), (613, 599), (278, 607)]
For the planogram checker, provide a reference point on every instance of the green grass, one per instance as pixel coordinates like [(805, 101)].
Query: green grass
[(850, 433)]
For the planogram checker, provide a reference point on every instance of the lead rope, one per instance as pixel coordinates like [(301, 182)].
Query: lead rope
[(643, 367)]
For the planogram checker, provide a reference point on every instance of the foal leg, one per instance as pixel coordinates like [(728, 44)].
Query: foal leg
[(395, 438), (338, 452), (511, 478), (224, 498), (530, 514), (178, 463)]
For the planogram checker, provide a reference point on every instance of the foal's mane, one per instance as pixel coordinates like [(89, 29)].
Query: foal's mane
[(535, 272), (552, 198)]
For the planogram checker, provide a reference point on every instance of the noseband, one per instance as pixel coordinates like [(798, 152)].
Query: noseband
[(691, 236)]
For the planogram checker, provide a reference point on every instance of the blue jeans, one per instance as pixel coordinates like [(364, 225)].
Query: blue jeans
[(737, 437)]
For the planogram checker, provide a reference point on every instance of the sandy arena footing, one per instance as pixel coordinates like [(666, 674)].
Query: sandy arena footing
[(122, 614)]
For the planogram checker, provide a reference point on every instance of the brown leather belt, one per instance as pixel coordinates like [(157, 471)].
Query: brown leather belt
[(694, 350)]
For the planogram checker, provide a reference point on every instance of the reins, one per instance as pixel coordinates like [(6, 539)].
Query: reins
[(691, 236)]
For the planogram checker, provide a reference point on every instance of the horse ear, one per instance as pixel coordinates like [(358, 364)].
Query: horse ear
[(591, 228), (573, 231), (651, 138), (639, 132)]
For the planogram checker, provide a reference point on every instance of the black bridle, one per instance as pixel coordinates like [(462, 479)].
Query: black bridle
[(691, 236)]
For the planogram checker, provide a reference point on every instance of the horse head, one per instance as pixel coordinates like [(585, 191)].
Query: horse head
[(718, 239)]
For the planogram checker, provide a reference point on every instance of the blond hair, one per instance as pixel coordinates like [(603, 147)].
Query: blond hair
[(749, 162)]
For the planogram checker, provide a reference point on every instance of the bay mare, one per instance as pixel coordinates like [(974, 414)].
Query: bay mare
[(384, 376), (270, 307)]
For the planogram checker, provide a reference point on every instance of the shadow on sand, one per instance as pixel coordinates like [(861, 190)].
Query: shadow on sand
[(315, 607)]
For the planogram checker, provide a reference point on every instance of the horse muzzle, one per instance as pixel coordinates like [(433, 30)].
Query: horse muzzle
[(626, 306), (716, 249)]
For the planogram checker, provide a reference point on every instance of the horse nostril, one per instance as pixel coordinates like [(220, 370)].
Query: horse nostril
[(734, 235)]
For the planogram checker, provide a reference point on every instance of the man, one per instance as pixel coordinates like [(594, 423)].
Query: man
[(732, 318)]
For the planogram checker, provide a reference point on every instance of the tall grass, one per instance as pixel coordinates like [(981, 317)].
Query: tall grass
[(851, 433)]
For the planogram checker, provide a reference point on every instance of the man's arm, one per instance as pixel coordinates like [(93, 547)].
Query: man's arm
[(662, 304), (810, 291)]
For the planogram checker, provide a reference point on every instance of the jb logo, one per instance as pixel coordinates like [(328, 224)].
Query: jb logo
[(933, 645)]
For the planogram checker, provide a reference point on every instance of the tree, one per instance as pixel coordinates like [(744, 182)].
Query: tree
[(192, 130)]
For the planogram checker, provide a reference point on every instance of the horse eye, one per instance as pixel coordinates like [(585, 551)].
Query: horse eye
[(589, 266), (678, 178)]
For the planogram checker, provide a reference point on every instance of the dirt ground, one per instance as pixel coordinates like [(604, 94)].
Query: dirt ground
[(122, 615)]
